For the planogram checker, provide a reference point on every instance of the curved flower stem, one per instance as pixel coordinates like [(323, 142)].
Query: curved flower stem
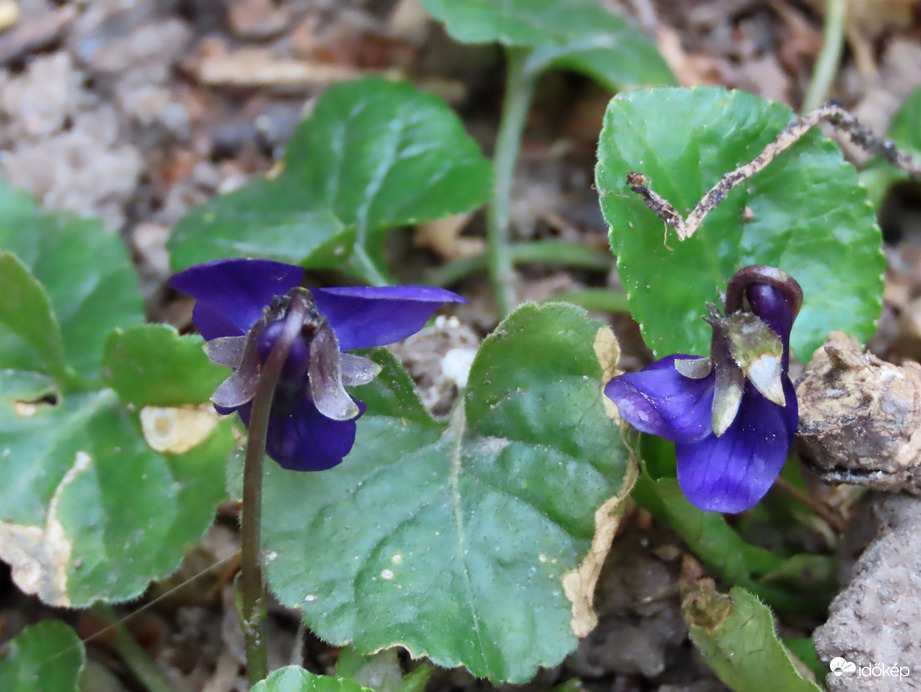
[(252, 585), (518, 92), (827, 65)]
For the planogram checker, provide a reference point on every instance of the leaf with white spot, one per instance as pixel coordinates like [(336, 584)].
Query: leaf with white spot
[(90, 511), (452, 537)]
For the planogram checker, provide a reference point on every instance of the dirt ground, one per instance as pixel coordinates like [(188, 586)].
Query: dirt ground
[(137, 111)]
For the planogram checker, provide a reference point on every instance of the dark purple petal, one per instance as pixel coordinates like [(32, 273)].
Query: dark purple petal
[(365, 316), (770, 305), (733, 472), (305, 440), (212, 324), (237, 289), (661, 401)]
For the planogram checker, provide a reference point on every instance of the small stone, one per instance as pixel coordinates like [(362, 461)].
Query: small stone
[(257, 19)]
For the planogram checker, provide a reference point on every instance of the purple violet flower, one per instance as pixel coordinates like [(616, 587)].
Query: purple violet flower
[(240, 309), (732, 415)]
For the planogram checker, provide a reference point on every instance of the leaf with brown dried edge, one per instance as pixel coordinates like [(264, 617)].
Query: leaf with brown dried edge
[(736, 636)]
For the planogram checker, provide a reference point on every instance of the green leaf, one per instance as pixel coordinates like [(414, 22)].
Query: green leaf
[(26, 311), (806, 204), (295, 679), (152, 365), (46, 656), (87, 278), (373, 155), (451, 538), (273, 219), (707, 534), (89, 511), (577, 35), (804, 649), (905, 130), (715, 542), (736, 636)]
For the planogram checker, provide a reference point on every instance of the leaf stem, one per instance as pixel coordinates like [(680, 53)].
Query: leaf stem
[(535, 252), (366, 267), (252, 584), (141, 665), (518, 92), (827, 65), (597, 299)]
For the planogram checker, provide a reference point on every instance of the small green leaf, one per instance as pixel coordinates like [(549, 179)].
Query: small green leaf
[(451, 538), (373, 155), (87, 278), (905, 130), (273, 219), (89, 511), (804, 649), (151, 365), (295, 679), (736, 636), (806, 204), (47, 656), (577, 35), (26, 311)]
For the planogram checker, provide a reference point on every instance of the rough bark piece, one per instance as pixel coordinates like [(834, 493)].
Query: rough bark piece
[(860, 418)]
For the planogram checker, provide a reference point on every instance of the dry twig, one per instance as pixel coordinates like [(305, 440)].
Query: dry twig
[(832, 113)]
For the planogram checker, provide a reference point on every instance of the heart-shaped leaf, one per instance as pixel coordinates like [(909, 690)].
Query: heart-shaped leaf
[(151, 365), (807, 204), (84, 272), (47, 656), (373, 155), (90, 511), (26, 311), (577, 35), (451, 538)]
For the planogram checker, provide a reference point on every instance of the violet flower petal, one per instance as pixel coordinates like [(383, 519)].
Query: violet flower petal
[(661, 401), (366, 316), (238, 289), (305, 440), (733, 472), (212, 323), (770, 305)]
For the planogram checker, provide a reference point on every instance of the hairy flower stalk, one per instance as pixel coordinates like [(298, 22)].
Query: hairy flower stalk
[(285, 344), (732, 414)]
